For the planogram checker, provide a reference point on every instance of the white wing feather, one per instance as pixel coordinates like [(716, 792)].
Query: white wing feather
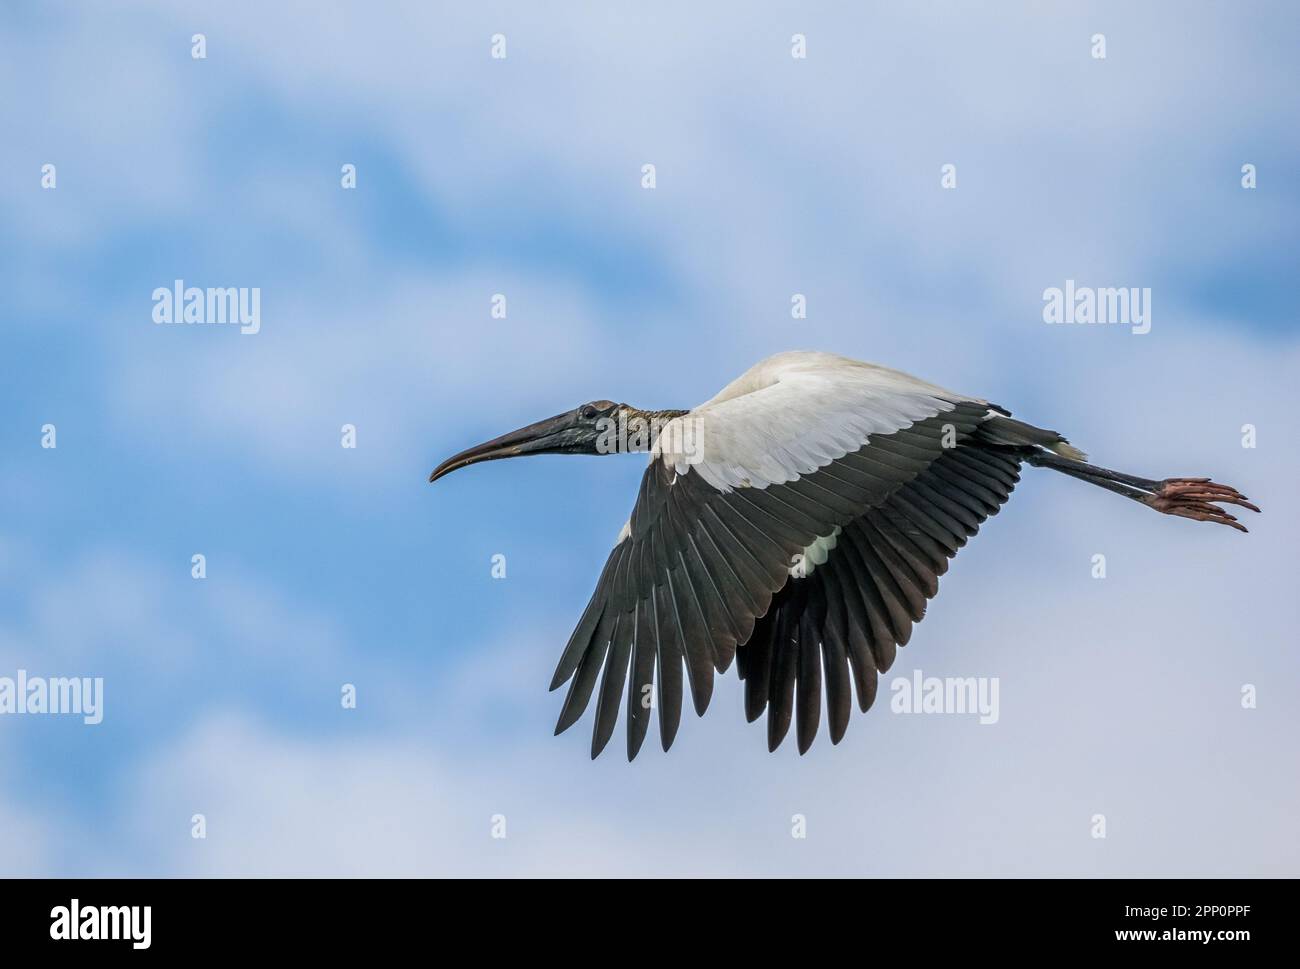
[(792, 414)]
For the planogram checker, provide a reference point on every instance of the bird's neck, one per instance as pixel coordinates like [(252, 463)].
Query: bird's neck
[(638, 429), (656, 416)]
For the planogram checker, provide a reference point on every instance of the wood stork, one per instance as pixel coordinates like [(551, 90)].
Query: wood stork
[(797, 522)]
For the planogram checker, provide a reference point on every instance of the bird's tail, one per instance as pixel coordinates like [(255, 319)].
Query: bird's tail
[(1009, 432)]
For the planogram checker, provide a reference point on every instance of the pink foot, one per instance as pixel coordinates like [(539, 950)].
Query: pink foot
[(1193, 498)]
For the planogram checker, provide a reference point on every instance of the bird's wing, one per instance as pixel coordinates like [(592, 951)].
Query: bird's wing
[(843, 620), (711, 541), (802, 420)]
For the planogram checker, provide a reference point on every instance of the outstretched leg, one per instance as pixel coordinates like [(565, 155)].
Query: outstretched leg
[(1193, 498)]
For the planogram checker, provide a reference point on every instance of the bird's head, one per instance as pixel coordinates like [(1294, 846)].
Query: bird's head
[(583, 430)]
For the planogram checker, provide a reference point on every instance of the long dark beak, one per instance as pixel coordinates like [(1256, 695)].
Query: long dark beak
[(561, 434)]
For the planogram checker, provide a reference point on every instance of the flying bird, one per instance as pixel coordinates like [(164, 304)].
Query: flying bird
[(798, 523)]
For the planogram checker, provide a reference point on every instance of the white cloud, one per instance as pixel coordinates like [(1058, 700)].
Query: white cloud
[(113, 609)]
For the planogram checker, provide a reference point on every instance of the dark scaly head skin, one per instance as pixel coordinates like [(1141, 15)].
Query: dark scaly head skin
[(584, 430)]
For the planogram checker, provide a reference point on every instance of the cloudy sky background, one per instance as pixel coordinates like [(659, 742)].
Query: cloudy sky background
[(775, 176)]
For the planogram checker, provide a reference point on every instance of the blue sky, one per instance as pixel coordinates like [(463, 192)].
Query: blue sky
[(522, 176)]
